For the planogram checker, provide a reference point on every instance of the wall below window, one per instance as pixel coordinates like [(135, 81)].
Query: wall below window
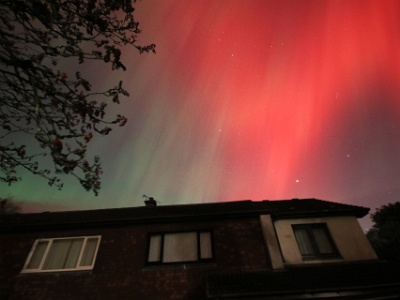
[(346, 233)]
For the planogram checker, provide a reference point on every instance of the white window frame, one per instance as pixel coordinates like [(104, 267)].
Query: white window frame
[(50, 241), (198, 247)]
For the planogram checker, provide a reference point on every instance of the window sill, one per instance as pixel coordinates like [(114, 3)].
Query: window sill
[(193, 265), (57, 273), (321, 258)]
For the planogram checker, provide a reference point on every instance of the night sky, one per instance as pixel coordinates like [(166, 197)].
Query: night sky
[(250, 100)]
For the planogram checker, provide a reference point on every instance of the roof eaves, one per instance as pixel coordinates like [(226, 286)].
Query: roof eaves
[(300, 208), (160, 214), (319, 213)]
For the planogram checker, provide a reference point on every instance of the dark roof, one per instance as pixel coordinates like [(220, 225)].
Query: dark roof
[(246, 208), (352, 278), (313, 207)]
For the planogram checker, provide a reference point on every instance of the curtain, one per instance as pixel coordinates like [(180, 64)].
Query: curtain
[(63, 254), (155, 248), (205, 245), (180, 247), (73, 253), (324, 244), (37, 255), (304, 241), (88, 253)]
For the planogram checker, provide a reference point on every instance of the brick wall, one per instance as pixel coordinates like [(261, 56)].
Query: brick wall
[(120, 271)]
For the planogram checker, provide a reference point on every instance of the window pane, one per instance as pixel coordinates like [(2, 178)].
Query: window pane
[(304, 241), (63, 254), (180, 247), (88, 253), (155, 248), (73, 253), (205, 245), (324, 244), (37, 255)]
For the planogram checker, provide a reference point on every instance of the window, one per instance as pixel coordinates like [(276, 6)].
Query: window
[(180, 247), (314, 240), (62, 254)]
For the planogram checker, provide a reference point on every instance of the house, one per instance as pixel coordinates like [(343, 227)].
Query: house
[(290, 249)]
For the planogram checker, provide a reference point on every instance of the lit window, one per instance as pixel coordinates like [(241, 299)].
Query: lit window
[(180, 247), (314, 240), (62, 254)]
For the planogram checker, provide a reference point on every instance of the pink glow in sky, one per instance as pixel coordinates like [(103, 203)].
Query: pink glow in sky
[(252, 100)]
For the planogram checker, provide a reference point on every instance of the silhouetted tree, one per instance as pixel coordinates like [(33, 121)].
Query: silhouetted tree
[(385, 233), (8, 208), (39, 99)]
